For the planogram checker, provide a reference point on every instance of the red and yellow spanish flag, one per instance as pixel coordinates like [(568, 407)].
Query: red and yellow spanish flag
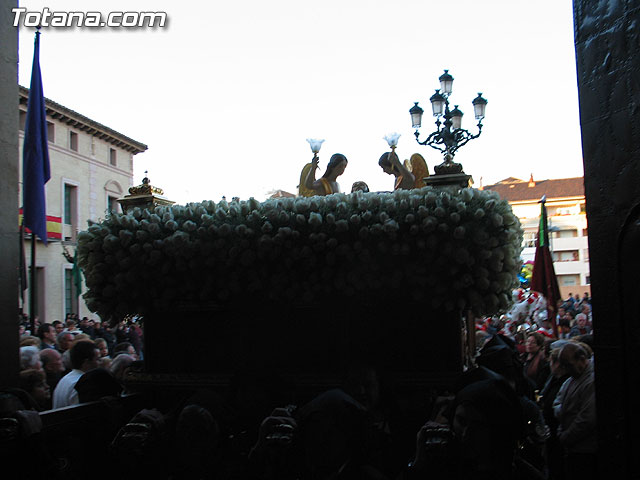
[(54, 226)]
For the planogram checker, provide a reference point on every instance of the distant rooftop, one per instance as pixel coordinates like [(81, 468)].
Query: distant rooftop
[(516, 190), (281, 194), (79, 121)]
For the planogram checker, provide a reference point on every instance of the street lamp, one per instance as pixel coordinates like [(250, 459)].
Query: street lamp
[(449, 135)]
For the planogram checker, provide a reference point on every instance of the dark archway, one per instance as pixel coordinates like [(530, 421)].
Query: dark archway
[(608, 66)]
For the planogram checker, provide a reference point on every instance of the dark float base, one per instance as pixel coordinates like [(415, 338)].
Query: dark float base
[(303, 350)]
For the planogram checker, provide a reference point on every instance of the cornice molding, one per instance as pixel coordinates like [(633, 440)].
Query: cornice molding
[(85, 124)]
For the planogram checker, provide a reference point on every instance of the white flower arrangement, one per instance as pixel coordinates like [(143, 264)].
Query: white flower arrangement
[(446, 251)]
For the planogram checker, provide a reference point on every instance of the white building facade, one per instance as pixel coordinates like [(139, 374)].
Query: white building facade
[(91, 167), (567, 222)]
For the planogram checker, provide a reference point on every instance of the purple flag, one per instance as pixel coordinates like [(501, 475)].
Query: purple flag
[(35, 154)]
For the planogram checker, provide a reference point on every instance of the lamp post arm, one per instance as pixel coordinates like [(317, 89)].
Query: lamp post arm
[(462, 137), (433, 140)]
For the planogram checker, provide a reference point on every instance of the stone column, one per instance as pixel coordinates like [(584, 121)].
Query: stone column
[(9, 364)]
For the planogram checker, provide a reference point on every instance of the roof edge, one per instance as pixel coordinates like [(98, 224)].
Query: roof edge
[(77, 120)]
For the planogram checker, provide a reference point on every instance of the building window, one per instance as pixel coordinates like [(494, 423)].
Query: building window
[(113, 157), (588, 279), (70, 210), (73, 141), (566, 256), (51, 132), (566, 211), (113, 191), (70, 294), (112, 204), (567, 280), (50, 127), (570, 233), (529, 239), (585, 232)]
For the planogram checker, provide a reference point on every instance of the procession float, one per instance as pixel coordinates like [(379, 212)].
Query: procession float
[(306, 286)]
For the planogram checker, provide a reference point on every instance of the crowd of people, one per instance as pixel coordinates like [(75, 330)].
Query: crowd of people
[(526, 410), (54, 359)]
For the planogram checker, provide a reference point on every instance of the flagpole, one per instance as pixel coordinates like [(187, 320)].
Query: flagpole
[(543, 278), (22, 269), (33, 311)]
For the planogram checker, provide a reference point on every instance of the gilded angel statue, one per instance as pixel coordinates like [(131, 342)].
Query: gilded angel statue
[(325, 185)]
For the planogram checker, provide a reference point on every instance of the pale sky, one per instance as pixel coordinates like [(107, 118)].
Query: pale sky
[(227, 93)]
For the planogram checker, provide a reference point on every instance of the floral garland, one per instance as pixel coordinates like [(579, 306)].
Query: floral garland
[(444, 250)]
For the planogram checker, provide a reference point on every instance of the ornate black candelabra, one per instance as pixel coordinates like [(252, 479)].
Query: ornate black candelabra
[(449, 135)]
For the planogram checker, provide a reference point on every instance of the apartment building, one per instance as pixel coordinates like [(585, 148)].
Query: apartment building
[(91, 168), (567, 224)]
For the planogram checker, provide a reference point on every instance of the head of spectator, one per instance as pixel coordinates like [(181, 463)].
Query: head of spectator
[(96, 384), (34, 383), (586, 341), (58, 325), (47, 335), (71, 326), (119, 366), (84, 356), (81, 337), (363, 384), (64, 340), (586, 309), (105, 362), (574, 359), (66, 360), (564, 326), (126, 348), (581, 320), (14, 399), (534, 344), (101, 343), (332, 431), (30, 358), (30, 341), (487, 423), (557, 370), (546, 329), (51, 361), (500, 355), (22, 329), (197, 440), (86, 327)]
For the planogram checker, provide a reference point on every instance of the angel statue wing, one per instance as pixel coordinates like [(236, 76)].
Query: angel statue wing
[(302, 190), (418, 167)]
